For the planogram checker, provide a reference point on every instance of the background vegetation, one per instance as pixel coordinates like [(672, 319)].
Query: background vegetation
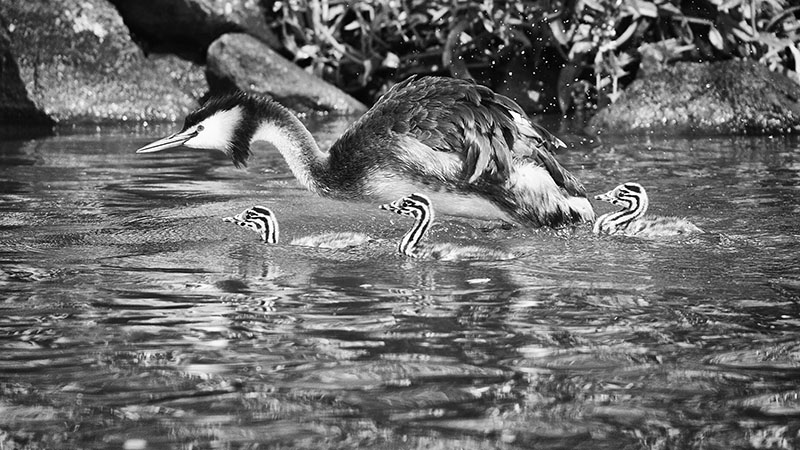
[(587, 49)]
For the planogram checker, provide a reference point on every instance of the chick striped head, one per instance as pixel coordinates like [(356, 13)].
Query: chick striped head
[(627, 195), (413, 205), (259, 219)]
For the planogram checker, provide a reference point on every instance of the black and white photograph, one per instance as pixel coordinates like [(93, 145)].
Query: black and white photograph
[(400, 224)]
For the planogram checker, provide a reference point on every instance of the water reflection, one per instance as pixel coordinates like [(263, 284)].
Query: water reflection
[(133, 316)]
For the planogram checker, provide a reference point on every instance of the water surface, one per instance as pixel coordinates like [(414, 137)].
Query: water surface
[(133, 317)]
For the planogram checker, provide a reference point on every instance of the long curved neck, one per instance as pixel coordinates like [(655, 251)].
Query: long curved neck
[(271, 232), (638, 205), (621, 219), (278, 126), (410, 241)]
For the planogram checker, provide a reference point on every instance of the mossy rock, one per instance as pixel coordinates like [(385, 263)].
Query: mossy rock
[(188, 27), (728, 97), (238, 60), (73, 61)]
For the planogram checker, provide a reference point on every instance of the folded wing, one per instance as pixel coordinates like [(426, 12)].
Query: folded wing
[(489, 130)]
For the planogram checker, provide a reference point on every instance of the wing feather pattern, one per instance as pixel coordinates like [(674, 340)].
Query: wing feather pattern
[(489, 130)]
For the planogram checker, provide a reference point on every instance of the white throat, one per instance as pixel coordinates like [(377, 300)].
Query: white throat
[(217, 130)]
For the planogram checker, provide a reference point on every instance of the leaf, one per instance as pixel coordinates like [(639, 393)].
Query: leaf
[(715, 38), (595, 5), (778, 5), (579, 48), (746, 27), (351, 26), (725, 7), (557, 31), (746, 37), (670, 8), (623, 59), (391, 61), (646, 9), (796, 55), (335, 11), (291, 44), (436, 15), (627, 34), (307, 51)]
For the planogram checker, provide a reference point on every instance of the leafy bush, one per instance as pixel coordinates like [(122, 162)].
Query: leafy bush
[(599, 44), (613, 34), (361, 45)]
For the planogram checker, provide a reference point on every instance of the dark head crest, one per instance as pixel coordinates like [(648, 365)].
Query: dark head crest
[(633, 187), (253, 105)]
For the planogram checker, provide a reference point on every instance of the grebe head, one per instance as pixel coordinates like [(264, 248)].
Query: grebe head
[(259, 219), (225, 123), (627, 195), (414, 205)]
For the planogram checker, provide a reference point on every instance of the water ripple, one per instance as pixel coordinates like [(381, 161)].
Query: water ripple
[(133, 317)]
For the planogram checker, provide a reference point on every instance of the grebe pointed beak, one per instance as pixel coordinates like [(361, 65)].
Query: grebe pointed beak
[(171, 141)]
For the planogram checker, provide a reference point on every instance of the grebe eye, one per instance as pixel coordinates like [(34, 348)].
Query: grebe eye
[(200, 128)]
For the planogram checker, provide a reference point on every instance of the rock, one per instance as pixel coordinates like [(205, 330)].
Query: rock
[(15, 106), (728, 97), (242, 61), (189, 26), (76, 63)]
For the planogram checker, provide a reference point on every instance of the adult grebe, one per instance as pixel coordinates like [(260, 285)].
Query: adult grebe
[(263, 221), (419, 207), (631, 220), (474, 152)]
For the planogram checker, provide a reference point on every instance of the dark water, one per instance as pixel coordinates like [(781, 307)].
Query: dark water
[(132, 317)]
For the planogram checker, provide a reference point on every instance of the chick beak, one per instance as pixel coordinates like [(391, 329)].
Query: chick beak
[(606, 197), (388, 207), (171, 141), (238, 219)]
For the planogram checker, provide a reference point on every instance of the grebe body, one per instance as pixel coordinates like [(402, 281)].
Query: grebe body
[(263, 221), (474, 152), (419, 207), (631, 220)]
